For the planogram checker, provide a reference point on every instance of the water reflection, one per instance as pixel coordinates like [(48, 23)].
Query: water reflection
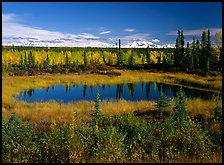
[(128, 91)]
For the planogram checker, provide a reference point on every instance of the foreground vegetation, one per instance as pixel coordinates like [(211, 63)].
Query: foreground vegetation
[(174, 137)]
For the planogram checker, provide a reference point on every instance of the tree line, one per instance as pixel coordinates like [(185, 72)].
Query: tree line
[(198, 55)]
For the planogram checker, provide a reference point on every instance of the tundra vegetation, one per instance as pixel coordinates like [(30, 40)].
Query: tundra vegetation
[(167, 130)]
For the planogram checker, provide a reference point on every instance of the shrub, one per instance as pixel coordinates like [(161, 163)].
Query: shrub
[(217, 111)]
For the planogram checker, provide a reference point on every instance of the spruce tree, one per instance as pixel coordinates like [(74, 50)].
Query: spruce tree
[(190, 62), (47, 63), (119, 54), (208, 56), (85, 58), (29, 59), (194, 54), (132, 59), (147, 55), (217, 111), (109, 61), (197, 55), (21, 62), (96, 114), (163, 102), (25, 62), (181, 115), (176, 53), (67, 62), (182, 47), (203, 56)]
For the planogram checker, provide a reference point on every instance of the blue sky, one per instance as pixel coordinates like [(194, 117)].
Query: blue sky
[(104, 22)]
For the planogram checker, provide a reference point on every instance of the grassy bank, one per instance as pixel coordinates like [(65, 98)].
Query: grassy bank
[(11, 86)]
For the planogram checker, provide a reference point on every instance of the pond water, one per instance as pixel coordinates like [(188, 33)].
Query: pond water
[(127, 91)]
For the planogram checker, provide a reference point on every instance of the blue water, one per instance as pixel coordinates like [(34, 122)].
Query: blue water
[(127, 91)]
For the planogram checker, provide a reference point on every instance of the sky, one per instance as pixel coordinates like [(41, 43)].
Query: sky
[(103, 23)]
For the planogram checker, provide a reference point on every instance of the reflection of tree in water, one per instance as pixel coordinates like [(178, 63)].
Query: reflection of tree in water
[(67, 88), (166, 89), (103, 87), (30, 92), (175, 90), (84, 90), (47, 89), (155, 86), (131, 88), (119, 91), (52, 87), (159, 87), (142, 85), (91, 88), (147, 89), (25, 93), (191, 93)]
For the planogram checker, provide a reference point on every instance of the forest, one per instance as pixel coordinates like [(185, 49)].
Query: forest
[(196, 57)]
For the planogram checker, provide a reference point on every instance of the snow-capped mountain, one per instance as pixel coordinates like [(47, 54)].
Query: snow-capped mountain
[(75, 43)]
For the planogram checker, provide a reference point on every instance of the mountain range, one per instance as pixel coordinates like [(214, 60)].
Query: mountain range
[(74, 43)]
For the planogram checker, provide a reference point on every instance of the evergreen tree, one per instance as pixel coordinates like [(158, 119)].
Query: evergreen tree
[(143, 59), (194, 54), (182, 47), (132, 59), (25, 62), (217, 111), (109, 61), (208, 56), (30, 60), (181, 115), (10, 68), (190, 60), (147, 55), (198, 53), (218, 38), (104, 60), (165, 57), (159, 58), (203, 57), (21, 62), (119, 54), (33, 62), (163, 102), (85, 58), (47, 63), (96, 114), (176, 53), (67, 62)]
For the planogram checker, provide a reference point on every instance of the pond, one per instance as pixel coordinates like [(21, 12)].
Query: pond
[(128, 91)]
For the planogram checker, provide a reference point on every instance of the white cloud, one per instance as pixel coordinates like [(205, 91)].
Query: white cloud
[(105, 32), (136, 37), (14, 33), (21, 34), (155, 40), (129, 30), (196, 32)]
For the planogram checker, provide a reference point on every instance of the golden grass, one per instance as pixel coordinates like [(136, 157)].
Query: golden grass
[(52, 110)]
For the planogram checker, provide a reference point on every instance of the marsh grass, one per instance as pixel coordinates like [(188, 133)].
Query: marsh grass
[(60, 112)]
